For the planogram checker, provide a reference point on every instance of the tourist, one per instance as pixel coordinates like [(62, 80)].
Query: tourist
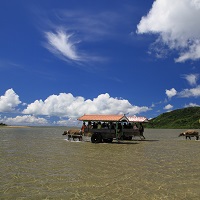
[(83, 127), (135, 127), (99, 125)]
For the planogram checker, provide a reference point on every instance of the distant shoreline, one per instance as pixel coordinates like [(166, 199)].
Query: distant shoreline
[(14, 126)]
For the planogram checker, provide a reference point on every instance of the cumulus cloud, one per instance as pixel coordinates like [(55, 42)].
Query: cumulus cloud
[(25, 120), (192, 105), (194, 92), (177, 25), (168, 107), (185, 93), (66, 105), (68, 122), (191, 78), (171, 93), (9, 101), (62, 44)]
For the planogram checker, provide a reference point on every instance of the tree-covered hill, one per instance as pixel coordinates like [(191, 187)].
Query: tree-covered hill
[(182, 118), (2, 124)]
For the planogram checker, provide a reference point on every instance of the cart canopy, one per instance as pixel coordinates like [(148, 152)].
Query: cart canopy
[(105, 118)]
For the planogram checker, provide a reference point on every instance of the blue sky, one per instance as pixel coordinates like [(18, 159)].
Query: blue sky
[(62, 59)]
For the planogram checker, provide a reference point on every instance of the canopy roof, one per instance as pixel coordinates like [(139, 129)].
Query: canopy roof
[(106, 118)]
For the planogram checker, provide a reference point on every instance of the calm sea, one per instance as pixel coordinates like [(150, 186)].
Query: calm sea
[(39, 163)]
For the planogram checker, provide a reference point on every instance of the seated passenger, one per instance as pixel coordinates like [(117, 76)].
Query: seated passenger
[(130, 126), (113, 126), (135, 127), (104, 125), (89, 125), (94, 126), (119, 127), (99, 125), (125, 126)]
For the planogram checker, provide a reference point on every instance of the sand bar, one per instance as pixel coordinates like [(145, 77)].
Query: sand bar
[(14, 126)]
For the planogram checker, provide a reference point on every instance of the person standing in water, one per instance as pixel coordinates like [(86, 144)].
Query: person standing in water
[(141, 129), (83, 128)]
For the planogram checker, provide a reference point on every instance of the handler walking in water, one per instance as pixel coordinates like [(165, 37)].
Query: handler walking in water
[(141, 129)]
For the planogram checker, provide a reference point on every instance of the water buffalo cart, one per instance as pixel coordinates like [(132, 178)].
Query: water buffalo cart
[(106, 128)]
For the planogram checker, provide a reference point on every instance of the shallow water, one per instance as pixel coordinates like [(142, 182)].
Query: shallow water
[(39, 163)]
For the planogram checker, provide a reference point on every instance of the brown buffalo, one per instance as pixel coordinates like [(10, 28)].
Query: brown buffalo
[(79, 137), (72, 132), (189, 134)]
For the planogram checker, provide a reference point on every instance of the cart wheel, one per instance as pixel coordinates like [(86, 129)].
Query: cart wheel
[(96, 138)]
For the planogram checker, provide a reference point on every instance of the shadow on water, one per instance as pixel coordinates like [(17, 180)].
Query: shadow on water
[(147, 140), (114, 142), (132, 141), (121, 142)]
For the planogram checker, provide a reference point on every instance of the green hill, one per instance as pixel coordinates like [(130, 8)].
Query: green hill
[(2, 124), (182, 118)]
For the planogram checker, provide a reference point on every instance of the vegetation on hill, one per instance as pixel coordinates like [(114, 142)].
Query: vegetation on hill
[(186, 118), (2, 124)]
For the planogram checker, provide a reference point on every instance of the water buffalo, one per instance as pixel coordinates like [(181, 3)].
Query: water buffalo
[(79, 137), (189, 134), (72, 132)]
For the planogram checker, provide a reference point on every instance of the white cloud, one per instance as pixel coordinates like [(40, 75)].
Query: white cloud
[(65, 46), (194, 92), (62, 44), (61, 122), (191, 78), (66, 105), (185, 93), (171, 93), (177, 25), (168, 107), (94, 25), (25, 120), (9, 101), (192, 105), (193, 53), (73, 26), (68, 122)]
